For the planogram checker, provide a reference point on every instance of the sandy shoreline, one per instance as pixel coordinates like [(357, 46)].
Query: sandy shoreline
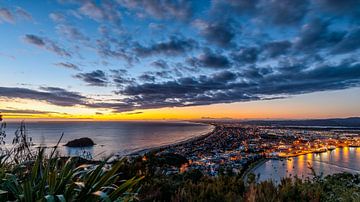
[(152, 149)]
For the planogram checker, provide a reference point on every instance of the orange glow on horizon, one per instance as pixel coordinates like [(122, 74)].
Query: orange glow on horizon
[(331, 104)]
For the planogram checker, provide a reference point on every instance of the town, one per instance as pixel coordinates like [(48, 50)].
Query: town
[(235, 147)]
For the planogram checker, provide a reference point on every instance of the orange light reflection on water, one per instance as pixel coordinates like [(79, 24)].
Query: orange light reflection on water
[(301, 164)]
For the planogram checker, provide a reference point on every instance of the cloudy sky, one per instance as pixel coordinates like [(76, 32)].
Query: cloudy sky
[(143, 59)]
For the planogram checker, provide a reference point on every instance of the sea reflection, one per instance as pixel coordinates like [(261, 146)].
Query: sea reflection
[(345, 159)]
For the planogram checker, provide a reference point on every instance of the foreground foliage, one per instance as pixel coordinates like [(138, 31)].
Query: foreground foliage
[(28, 175), (47, 180)]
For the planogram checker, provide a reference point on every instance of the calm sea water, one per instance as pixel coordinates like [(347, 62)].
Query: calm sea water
[(345, 159), (110, 137)]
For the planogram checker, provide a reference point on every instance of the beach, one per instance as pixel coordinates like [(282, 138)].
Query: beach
[(176, 144)]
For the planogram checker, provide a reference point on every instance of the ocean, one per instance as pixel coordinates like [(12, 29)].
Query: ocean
[(119, 138)]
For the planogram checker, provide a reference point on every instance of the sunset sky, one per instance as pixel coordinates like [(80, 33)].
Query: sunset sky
[(174, 59)]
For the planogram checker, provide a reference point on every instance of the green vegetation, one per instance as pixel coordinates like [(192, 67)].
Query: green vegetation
[(28, 175)]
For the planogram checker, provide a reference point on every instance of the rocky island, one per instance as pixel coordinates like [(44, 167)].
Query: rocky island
[(81, 142)]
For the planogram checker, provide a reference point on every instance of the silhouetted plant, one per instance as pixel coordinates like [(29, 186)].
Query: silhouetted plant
[(38, 177)]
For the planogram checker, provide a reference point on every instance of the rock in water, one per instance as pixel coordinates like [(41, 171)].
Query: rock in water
[(81, 142)]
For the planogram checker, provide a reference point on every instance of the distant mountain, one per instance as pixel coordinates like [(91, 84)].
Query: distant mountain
[(339, 122)]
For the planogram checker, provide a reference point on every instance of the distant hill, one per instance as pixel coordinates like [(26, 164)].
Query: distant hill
[(338, 122)]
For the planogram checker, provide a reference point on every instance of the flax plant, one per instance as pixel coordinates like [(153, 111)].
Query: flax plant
[(28, 175)]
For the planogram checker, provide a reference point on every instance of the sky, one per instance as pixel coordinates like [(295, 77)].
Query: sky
[(177, 59)]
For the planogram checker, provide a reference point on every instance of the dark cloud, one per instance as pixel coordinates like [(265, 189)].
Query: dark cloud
[(181, 67), (119, 71), (283, 12), (6, 16), (133, 113), (315, 35), (166, 74), (46, 44), (323, 77), (116, 106), (147, 78), (276, 48), (339, 6), (94, 78), (350, 42), (210, 60), (60, 97), (255, 84), (254, 74), (219, 32), (151, 76), (120, 77), (162, 9), (276, 12), (110, 48), (225, 76), (174, 46), (52, 95), (246, 55), (35, 40), (291, 65), (182, 86), (161, 64), (24, 111), (241, 7), (187, 91), (67, 65), (122, 80)]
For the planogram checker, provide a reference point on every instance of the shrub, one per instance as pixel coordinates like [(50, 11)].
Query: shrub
[(28, 175)]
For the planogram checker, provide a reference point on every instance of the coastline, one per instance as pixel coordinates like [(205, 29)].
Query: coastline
[(253, 166), (141, 152)]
